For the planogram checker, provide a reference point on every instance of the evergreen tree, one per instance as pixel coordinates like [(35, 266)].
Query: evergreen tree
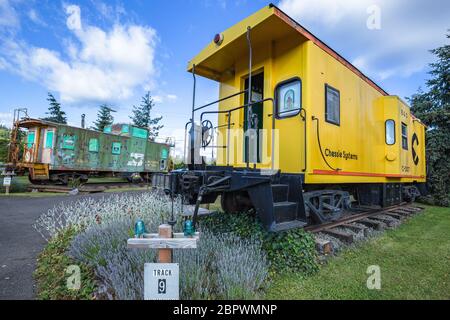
[(5, 134), (104, 118), (54, 111), (433, 109), (142, 116)]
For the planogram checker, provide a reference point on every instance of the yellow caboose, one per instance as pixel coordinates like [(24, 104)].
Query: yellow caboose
[(313, 136)]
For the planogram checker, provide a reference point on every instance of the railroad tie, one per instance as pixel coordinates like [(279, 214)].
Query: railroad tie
[(388, 222), (377, 225), (402, 212), (395, 215), (356, 228), (346, 237), (323, 246)]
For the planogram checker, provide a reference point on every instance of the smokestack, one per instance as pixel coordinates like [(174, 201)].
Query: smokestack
[(83, 116)]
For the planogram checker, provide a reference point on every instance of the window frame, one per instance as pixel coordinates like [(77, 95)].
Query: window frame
[(97, 144), (65, 146), (120, 148), (327, 86), (277, 109), (385, 132), (30, 143), (405, 137), (47, 134)]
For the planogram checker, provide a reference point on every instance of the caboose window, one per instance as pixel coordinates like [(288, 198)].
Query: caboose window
[(49, 140), (30, 139), (68, 142), (116, 146), (139, 133), (404, 136), (93, 145), (390, 132), (288, 98), (332, 105)]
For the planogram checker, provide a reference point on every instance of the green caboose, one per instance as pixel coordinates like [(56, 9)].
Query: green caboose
[(57, 153)]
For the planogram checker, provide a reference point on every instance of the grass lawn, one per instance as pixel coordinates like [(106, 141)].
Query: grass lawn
[(414, 261), (105, 179), (33, 194)]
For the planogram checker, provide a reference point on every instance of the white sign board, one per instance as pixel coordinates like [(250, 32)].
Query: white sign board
[(7, 181), (161, 281)]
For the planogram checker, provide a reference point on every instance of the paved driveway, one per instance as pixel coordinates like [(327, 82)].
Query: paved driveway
[(20, 243)]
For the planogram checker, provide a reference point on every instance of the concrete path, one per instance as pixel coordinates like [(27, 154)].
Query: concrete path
[(20, 243)]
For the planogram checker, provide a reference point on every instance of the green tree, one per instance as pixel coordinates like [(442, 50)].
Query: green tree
[(5, 134), (104, 117), (432, 107), (142, 116), (54, 111)]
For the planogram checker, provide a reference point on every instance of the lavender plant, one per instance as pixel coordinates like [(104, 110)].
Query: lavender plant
[(222, 267), (153, 207)]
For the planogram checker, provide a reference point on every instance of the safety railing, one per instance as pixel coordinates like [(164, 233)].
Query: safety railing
[(228, 125)]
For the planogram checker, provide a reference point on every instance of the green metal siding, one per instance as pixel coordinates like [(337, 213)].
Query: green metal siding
[(136, 154)]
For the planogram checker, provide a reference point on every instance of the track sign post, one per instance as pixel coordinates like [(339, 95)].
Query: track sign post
[(7, 181), (162, 280)]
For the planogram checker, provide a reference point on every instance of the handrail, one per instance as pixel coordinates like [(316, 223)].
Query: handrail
[(229, 111), (283, 112), (220, 100)]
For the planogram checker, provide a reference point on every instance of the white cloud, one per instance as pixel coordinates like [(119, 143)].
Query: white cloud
[(326, 11), (157, 99), (6, 119), (99, 65), (8, 15), (400, 48), (160, 98), (2, 63), (34, 16)]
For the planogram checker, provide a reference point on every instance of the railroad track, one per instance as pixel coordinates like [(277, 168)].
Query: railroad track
[(360, 224), (119, 184), (93, 187)]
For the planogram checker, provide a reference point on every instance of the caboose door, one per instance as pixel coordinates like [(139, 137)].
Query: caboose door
[(47, 147), (256, 113)]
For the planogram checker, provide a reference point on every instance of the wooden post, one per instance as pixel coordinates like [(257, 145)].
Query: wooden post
[(165, 255)]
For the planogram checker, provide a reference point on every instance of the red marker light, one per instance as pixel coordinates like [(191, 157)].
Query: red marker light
[(218, 39)]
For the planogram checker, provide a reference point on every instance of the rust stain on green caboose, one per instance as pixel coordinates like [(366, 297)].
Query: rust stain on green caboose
[(128, 150)]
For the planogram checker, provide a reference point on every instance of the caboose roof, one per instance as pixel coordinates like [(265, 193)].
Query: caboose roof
[(267, 24), (33, 123)]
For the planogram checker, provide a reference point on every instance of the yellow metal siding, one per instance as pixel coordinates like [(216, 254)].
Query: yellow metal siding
[(359, 140)]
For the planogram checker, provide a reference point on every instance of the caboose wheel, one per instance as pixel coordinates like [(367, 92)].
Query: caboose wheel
[(326, 205)]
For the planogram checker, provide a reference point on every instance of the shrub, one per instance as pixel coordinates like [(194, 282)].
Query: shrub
[(18, 184), (222, 267), (153, 207), (292, 250), (51, 273)]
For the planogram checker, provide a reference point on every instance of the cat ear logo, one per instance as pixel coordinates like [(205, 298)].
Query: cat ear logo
[(415, 142)]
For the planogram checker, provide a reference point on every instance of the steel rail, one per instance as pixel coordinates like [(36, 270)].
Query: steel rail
[(352, 218)]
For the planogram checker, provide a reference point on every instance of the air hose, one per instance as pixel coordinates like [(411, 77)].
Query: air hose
[(320, 146)]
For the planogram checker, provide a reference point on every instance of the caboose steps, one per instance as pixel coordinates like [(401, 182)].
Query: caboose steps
[(284, 211), (280, 192)]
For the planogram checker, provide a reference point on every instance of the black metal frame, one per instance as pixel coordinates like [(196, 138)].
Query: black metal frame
[(277, 108), (385, 132), (327, 86), (404, 145)]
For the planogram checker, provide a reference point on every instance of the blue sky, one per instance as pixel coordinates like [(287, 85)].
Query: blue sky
[(91, 51)]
